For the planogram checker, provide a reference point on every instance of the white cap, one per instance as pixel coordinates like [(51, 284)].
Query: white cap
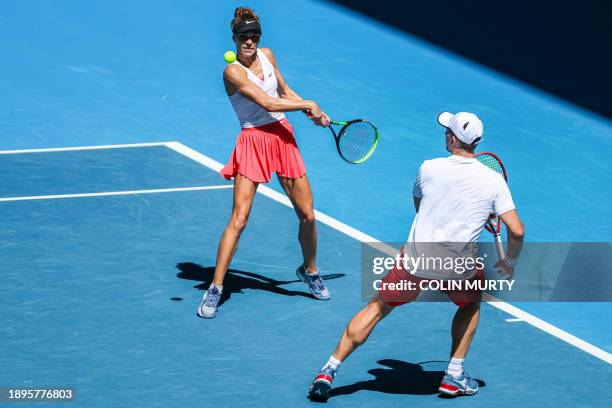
[(465, 125)]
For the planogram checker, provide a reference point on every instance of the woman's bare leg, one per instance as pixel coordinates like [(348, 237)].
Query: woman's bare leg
[(244, 192), (300, 194)]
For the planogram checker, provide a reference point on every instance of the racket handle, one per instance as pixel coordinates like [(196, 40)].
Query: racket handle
[(501, 254)]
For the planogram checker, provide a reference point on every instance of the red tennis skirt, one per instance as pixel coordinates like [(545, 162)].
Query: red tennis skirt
[(264, 150)]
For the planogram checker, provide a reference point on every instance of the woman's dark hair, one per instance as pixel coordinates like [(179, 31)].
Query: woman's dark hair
[(243, 13)]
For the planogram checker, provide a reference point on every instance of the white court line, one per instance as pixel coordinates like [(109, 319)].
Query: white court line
[(116, 193), (514, 320), (68, 149), (363, 237)]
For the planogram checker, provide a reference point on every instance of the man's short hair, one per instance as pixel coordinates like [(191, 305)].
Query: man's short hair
[(467, 147), (462, 145)]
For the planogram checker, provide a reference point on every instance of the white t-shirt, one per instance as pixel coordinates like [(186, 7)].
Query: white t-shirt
[(457, 196)]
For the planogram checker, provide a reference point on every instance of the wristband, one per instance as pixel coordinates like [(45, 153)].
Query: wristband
[(509, 262)]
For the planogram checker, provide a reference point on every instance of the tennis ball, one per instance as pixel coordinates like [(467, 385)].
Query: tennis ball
[(229, 56)]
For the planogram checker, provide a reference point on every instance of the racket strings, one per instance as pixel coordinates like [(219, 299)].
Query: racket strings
[(491, 162), (357, 140), (493, 224)]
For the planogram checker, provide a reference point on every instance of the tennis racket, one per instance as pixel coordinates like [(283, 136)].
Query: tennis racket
[(494, 223), (356, 140)]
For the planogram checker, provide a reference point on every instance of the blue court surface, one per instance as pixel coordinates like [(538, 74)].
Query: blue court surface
[(115, 125)]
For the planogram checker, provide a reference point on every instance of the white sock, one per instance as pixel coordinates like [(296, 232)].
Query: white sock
[(455, 367), (219, 288), (333, 363), (316, 271)]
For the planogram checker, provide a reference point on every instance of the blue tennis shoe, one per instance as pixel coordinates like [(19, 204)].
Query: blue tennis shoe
[(463, 385), (315, 283), (322, 384), (210, 301)]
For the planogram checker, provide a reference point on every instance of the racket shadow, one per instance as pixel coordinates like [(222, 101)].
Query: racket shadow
[(399, 377), (236, 281)]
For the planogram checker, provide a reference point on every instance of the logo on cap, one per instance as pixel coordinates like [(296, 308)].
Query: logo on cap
[(465, 125)]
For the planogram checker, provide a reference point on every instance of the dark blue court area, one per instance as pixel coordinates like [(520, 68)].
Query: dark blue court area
[(99, 293)]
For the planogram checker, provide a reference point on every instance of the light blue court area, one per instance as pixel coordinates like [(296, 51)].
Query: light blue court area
[(100, 292)]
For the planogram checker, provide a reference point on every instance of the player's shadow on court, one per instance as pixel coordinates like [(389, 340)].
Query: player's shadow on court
[(400, 377), (236, 281)]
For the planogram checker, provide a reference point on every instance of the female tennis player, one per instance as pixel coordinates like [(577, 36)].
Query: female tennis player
[(259, 95)]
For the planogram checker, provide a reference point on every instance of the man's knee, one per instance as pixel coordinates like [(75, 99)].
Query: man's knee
[(379, 309), (468, 305)]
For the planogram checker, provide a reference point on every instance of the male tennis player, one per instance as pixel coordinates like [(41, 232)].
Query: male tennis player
[(266, 145), (453, 197)]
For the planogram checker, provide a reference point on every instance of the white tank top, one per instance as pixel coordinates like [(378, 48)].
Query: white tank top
[(249, 113)]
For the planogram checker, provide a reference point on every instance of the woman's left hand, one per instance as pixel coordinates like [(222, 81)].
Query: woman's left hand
[(322, 120)]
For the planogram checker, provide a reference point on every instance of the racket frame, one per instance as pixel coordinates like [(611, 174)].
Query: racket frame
[(494, 223), (496, 157), (338, 135)]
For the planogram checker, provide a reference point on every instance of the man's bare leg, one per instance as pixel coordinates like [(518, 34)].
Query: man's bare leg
[(465, 322), (355, 334)]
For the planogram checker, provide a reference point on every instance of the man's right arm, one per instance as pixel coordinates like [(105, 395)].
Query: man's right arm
[(417, 193)]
